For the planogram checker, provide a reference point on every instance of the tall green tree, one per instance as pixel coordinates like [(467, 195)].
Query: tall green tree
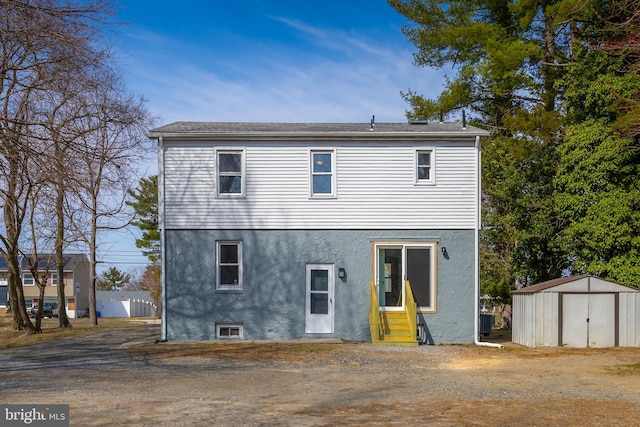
[(620, 35), (145, 204), (507, 54), (113, 279), (598, 181), (508, 58)]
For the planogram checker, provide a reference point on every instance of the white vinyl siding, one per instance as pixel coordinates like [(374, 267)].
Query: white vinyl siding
[(375, 188)]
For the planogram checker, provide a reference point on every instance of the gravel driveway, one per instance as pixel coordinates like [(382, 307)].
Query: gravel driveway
[(121, 377)]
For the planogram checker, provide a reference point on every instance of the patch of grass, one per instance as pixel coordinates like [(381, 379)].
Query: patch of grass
[(239, 350), (631, 369), (314, 347), (51, 332)]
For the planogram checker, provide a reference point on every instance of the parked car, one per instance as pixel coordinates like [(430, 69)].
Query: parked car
[(48, 310)]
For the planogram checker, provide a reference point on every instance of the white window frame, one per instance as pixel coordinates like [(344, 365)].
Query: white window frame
[(229, 326), (243, 172), (54, 279), (24, 281), (433, 297), (332, 173), (432, 269), (219, 265), (432, 166)]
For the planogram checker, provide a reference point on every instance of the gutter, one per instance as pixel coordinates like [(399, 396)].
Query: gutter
[(310, 136), (476, 310), (161, 204)]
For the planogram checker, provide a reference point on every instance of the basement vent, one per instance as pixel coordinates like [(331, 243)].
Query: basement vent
[(229, 331)]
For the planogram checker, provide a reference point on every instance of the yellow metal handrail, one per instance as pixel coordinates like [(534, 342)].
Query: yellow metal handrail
[(411, 309), (374, 316)]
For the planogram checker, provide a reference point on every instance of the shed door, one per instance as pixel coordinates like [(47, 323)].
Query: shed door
[(602, 320), (588, 320)]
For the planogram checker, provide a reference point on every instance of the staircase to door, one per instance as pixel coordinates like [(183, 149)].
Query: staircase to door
[(394, 328)]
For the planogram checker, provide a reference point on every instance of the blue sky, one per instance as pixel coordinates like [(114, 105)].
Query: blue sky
[(270, 60), (265, 60)]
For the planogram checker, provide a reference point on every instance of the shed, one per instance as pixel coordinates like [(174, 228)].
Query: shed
[(577, 311)]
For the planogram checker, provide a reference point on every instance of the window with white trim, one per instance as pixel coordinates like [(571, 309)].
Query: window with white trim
[(229, 331), (229, 265), (411, 261), (230, 173), (425, 166), (27, 279), (420, 272), (53, 279), (322, 179)]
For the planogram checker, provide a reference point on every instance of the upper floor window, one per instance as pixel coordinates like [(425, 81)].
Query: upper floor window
[(323, 177), (230, 173), (53, 279), (27, 279), (425, 170), (229, 265)]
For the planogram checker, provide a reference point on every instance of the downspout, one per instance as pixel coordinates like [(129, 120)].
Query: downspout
[(476, 311), (161, 204)]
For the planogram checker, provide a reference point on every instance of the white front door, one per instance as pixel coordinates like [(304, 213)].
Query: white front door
[(319, 299)]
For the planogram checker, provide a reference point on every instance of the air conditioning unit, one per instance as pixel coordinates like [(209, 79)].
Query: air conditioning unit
[(486, 324)]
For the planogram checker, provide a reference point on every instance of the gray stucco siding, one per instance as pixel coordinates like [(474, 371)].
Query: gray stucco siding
[(271, 304)]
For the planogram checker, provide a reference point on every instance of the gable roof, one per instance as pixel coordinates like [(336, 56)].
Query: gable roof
[(204, 129), (71, 261), (559, 281)]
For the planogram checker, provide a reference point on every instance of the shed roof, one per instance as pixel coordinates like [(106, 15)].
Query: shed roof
[(557, 282), (273, 128)]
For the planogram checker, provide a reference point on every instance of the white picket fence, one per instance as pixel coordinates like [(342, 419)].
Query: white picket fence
[(126, 308)]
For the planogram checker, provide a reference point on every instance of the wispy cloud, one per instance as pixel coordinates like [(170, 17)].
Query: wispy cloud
[(338, 40), (283, 83)]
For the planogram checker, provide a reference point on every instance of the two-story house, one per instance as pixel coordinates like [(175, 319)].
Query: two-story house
[(355, 231), (76, 282)]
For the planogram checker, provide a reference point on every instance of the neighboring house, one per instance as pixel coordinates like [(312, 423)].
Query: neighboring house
[(125, 304), (577, 311), (293, 230), (76, 282)]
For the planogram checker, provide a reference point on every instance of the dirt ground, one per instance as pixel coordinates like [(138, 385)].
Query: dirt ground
[(115, 380)]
